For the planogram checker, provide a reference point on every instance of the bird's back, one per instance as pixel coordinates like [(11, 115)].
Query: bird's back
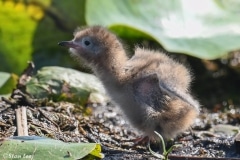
[(158, 90), (146, 62)]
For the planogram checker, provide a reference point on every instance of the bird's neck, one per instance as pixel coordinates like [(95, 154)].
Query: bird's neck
[(111, 69)]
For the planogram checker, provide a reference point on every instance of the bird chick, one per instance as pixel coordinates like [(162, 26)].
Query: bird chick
[(151, 89)]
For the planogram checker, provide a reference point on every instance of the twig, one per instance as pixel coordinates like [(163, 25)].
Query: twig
[(21, 118)]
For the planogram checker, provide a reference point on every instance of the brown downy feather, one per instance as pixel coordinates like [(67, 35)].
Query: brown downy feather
[(151, 89)]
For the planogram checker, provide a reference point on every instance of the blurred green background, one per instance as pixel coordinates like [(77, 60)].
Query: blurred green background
[(206, 33)]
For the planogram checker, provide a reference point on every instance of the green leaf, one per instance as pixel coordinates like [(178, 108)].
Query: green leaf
[(67, 84), (38, 148), (202, 29), (7, 82), (16, 32), (30, 30)]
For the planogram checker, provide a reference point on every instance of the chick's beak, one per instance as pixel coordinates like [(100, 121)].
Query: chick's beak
[(69, 44)]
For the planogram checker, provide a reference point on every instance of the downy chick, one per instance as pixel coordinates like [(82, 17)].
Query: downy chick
[(150, 88)]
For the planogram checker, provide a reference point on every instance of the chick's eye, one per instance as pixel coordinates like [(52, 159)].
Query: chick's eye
[(87, 43)]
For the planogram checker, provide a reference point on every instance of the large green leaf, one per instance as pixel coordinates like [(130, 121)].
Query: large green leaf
[(204, 29), (39, 148), (67, 84)]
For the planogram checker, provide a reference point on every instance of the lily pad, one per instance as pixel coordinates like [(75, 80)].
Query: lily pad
[(206, 29), (226, 129), (61, 83), (38, 148)]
